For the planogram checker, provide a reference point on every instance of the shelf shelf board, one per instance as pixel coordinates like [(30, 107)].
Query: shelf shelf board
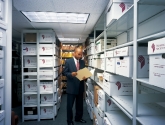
[(151, 120), (29, 67), (118, 118), (51, 92), (151, 37), (30, 105), (125, 103), (122, 24), (47, 42), (31, 55), (30, 42), (30, 93), (99, 68), (143, 80), (29, 79), (151, 2), (120, 46), (100, 84), (89, 55), (99, 52), (30, 117), (30, 73), (50, 104)]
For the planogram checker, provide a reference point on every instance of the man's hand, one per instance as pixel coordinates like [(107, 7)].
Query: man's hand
[(74, 74), (84, 78)]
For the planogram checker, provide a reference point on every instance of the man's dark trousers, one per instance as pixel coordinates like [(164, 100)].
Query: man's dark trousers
[(78, 99)]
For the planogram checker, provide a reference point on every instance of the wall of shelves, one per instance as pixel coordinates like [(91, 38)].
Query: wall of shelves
[(141, 23), (40, 68)]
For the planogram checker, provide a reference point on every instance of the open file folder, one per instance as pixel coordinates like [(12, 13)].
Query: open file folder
[(84, 73)]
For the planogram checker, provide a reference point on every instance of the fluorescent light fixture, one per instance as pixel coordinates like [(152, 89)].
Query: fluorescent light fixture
[(42, 17), (69, 39)]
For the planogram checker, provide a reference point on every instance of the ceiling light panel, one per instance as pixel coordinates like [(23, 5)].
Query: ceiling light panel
[(42, 17), (69, 39)]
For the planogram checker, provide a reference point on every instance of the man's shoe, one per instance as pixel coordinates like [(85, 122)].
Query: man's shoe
[(81, 120)]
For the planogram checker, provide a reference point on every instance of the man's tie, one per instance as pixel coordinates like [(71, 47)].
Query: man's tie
[(78, 65)]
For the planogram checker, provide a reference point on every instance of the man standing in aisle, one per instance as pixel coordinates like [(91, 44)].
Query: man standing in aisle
[(75, 87)]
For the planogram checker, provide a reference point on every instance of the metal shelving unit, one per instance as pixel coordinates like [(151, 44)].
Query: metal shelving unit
[(43, 73), (141, 23)]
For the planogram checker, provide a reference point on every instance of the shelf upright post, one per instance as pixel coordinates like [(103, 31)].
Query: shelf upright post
[(105, 40), (38, 81), (22, 80), (95, 47), (8, 56), (135, 86)]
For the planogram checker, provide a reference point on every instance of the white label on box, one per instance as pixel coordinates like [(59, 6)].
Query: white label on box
[(30, 112), (1, 83), (29, 49), (46, 49), (47, 111), (31, 99), (46, 62), (1, 53), (125, 51), (1, 66), (30, 86), (30, 61), (45, 37), (156, 46)]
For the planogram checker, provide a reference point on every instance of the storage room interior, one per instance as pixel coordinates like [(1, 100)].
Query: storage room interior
[(123, 43)]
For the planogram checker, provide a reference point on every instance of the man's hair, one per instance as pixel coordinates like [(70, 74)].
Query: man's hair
[(77, 47)]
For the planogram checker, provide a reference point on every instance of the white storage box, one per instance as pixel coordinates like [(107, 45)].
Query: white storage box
[(55, 110), (47, 110), (46, 87), (2, 115), (99, 116), (91, 98), (156, 51), (1, 53), (1, 82), (109, 54), (116, 9), (111, 43), (30, 86), (46, 98), (46, 49), (47, 37), (30, 61), (96, 122), (101, 100), (124, 62), (46, 75), (117, 85), (29, 49), (111, 65), (1, 94), (1, 9), (31, 99), (1, 67), (106, 121), (110, 105), (2, 43), (91, 112), (46, 62)]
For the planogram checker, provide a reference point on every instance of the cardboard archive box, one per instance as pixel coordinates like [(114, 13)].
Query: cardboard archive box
[(110, 62), (31, 37), (96, 88), (156, 51), (30, 86), (29, 49)]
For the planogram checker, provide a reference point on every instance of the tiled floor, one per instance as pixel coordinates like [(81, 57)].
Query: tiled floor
[(60, 119)]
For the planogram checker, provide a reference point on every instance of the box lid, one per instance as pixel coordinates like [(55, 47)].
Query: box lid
[(156, 46), (114, 78), (125, 51)]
